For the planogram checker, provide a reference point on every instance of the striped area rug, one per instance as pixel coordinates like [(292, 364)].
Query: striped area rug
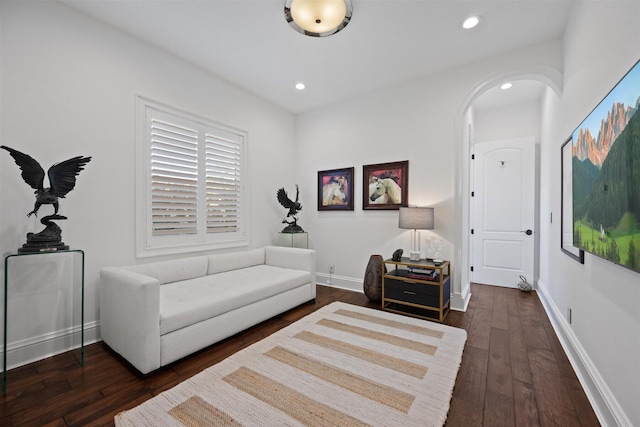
[(342, 365)]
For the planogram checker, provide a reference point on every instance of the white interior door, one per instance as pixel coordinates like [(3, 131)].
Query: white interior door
[(503, 212)]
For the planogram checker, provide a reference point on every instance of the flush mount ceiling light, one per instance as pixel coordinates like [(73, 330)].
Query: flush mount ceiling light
[(506, 86), (300, 86), (318, 18), (470, 22)]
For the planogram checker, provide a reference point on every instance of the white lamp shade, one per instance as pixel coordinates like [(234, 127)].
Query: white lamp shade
[(416, 218)]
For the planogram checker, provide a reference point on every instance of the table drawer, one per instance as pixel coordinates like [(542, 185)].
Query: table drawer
[(416, 293)]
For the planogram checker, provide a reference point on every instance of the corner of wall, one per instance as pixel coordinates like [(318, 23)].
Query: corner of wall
[(460, 301)]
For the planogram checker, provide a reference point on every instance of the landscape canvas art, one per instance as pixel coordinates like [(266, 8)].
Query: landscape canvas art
[(606, 176)]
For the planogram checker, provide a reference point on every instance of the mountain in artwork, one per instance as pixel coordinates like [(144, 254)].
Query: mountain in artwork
[(604, 196), (596, 148)]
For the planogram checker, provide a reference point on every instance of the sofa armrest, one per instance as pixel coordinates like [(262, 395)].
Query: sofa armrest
[(293, 258), (130, 316)]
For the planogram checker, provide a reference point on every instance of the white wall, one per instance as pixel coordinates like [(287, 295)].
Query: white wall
[(510, 122), (68, 88), (413, 121), (601, 43)]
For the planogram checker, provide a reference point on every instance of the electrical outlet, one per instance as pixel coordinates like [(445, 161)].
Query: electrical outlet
[(332, 268), (569, 314)]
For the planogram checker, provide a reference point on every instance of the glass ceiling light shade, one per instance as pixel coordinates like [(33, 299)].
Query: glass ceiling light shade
[(318, 18)]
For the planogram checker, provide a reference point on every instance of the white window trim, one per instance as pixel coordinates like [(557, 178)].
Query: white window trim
[(146, 244)]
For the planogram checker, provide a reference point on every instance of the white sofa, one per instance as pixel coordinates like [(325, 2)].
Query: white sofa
[(153, 314)]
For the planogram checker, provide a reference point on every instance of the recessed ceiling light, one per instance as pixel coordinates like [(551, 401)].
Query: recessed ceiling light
[(470, 22), (300, 86), (506, 86)]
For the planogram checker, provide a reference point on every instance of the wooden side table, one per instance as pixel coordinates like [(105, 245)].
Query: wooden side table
[(407, 288)]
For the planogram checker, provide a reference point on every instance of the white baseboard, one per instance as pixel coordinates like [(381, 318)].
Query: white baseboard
[(604, 403), (341, 282), (30, 350), (459, 302)]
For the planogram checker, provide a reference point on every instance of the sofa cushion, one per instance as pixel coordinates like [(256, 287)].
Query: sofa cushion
[(173, 270), (219, 263), (192, 301)]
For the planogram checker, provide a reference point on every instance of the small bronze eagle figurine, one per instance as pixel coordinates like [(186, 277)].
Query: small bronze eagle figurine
[(285, 201), (293, 207), (62, 177)]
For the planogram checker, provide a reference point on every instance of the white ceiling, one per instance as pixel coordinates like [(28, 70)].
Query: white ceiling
[(521, 91), (387, 42)]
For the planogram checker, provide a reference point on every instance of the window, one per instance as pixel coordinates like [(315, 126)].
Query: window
[(190, 191)]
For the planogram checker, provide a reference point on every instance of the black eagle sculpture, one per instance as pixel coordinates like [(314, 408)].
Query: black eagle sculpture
[(62, 179), (294, 208)]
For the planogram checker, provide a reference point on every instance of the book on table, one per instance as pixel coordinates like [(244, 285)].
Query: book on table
[(419, 270), (431, 275)]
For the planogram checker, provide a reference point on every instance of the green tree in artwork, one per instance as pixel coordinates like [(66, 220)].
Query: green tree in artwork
[(614, 254), (634, 256)]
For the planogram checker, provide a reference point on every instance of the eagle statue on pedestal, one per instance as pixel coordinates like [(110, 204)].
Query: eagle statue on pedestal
[(62, 179), (294, 208)]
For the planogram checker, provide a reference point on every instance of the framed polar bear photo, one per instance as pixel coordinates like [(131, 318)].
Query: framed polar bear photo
[(385, 185)]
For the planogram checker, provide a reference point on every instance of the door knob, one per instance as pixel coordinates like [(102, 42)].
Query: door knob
[(528, 232)]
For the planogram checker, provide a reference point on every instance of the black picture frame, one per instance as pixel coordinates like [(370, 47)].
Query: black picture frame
[(385, 186), (566, 204), (335, 189)]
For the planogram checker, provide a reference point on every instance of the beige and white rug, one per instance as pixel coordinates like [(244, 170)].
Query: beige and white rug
[(342, 365)]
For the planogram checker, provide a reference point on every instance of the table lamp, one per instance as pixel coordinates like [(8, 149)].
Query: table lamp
[(416, 218)]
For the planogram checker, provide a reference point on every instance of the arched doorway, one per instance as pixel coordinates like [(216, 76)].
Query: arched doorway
[(463, 137)]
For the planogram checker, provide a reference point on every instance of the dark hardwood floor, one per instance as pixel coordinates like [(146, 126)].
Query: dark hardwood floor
[(513, 373)]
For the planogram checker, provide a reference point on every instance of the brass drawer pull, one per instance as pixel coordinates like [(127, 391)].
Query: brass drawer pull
[(409, 292)]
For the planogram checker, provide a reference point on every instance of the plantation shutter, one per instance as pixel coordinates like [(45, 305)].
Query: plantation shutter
[(174, 178), (189, 181), (223, 183)]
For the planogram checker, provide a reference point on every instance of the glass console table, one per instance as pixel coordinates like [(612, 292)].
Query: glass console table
[(12, 262), (293, 240)]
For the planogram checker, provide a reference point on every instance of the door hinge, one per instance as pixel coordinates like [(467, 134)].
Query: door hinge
[(473, 157), (472, 268), (472, 231), (473, 194)]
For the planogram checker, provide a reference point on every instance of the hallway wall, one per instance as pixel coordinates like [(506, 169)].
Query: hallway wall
[(601, 43)]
